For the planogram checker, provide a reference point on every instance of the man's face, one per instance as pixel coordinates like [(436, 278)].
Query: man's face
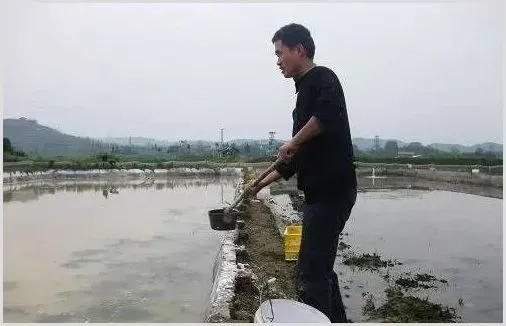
[(289, 60)]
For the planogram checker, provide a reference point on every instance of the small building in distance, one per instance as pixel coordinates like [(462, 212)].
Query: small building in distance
[(407, 154)]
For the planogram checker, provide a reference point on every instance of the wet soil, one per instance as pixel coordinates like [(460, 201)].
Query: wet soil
[(263, 259)]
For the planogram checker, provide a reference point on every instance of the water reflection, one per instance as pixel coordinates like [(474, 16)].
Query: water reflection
[(33, 190)]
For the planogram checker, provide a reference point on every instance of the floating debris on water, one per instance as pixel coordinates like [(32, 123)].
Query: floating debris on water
[(386, 277), (410, 283), (368, 261), (424, 278), (403, 309), (369, 304), (418, 281), (343, 246)]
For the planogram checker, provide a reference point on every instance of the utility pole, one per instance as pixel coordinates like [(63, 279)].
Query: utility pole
[(376, 143), (271, 137), (271, 142), (220, 150)]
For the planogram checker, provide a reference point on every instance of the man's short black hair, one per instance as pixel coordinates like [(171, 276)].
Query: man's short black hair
[(293, 34)]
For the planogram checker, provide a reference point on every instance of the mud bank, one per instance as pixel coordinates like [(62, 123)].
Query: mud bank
[(250, 256), (115, 174), (262, 257), (464, 176)]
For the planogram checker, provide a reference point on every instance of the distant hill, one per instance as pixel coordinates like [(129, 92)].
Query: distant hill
[(31, 137)]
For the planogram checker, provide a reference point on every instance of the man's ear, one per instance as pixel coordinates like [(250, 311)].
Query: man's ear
[(300, 50)]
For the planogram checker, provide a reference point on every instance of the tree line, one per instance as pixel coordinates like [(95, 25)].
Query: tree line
[(10, 153), (392, 149), (256, 151)]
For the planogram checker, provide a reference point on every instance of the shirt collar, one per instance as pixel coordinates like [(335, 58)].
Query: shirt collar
[(297, 78)]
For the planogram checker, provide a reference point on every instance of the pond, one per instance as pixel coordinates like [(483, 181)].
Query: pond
[(111, 251), (454, 237)]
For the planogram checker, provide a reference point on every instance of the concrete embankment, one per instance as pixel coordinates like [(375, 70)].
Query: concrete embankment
[(98, 174), (224, 276)]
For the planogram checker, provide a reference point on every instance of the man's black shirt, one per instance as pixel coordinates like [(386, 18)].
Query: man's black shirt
[(324, 164)]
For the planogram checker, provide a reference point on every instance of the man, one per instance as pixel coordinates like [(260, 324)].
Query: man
[(321, 154)]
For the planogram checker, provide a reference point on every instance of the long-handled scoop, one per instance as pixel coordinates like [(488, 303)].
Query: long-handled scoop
[(223, 219), (253, 184)]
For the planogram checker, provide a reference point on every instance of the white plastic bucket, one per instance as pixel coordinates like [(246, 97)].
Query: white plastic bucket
[(288, 311)]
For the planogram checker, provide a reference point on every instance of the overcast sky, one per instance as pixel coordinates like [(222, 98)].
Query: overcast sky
[(428, 72)]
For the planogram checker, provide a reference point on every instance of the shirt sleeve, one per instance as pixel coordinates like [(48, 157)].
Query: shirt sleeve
[(329, 100), (287, 170)]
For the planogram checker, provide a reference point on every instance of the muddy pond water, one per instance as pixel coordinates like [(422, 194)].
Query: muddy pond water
[(111, 252), (447, 237), (454, 237)]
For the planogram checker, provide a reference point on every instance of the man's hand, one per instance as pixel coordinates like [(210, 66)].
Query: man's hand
[(251, 191), (311, 129), (287, 150)]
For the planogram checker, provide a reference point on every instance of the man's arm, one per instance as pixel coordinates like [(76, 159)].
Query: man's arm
[(283, 170), (311, 128), (270, 178)]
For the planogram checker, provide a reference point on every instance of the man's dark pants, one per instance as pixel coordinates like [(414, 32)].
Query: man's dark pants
[(322, 224)]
